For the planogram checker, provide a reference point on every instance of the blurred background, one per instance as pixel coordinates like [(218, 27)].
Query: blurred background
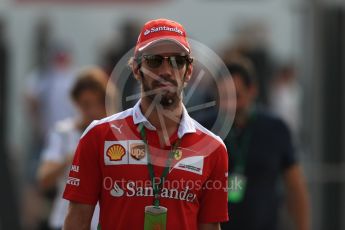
[(297, 47)]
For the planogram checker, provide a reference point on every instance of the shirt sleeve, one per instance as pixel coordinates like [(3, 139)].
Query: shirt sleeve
[(84, 182), (54, 150), (214, 200)]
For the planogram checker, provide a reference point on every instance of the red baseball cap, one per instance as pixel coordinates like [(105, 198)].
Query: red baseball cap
[(161, 30)]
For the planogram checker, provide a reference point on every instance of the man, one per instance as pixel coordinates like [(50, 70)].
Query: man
[(48, 90), (261, 152), (88, 94), (151, 166)]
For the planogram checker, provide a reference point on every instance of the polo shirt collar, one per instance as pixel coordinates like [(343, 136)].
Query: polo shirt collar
[(186, 124)]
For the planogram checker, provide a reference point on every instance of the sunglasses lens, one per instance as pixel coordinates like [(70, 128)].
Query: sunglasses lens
[(153, 61), (180, 61)]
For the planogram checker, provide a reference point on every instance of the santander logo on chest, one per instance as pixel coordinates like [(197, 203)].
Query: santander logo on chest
[(131, 189)]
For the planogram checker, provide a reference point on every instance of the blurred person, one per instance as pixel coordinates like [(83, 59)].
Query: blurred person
[(48, 90), (40, 58), (252, 42), (261, 155), (128, 160), (42, 43), (113, 51), (88, 94), (47, 100), (286, 97)]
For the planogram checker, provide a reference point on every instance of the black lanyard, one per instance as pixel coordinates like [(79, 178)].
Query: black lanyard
[(157, 187)]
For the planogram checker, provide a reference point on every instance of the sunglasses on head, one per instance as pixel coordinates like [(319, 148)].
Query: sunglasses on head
[(175, 61)]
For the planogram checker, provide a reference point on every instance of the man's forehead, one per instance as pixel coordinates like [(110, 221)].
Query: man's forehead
[(164, 47)]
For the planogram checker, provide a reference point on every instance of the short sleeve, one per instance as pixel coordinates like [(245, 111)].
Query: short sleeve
[(214, 200), (84, 182), (54, 150), (288, 151)]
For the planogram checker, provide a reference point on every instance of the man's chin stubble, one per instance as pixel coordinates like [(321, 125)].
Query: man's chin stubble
[(166, 101)]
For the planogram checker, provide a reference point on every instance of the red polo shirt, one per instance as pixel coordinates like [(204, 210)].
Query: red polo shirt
[(110, 166)]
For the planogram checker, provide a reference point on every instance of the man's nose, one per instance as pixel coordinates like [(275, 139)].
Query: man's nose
[(165, 68)]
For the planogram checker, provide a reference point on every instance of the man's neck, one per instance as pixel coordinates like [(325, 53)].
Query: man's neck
[(82, 125), (240, 122), (242, 119), (165, 120)]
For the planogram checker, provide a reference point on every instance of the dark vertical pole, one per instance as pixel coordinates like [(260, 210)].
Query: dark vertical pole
[(9, 214), (332, 126)]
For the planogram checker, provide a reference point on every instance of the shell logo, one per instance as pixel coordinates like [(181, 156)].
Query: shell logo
[(116, 152)]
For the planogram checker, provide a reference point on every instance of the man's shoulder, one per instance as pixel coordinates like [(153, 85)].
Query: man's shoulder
[(99, 124), (208, 134), (270, 121), (65, 126)]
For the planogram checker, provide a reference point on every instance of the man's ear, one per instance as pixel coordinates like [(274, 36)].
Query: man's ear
[(136, 70), (188, 73)]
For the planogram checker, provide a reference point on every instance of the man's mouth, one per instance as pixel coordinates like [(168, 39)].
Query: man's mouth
[(166, 85)]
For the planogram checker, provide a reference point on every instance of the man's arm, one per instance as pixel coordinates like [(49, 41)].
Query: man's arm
[(79, 216), (211, 226), (298, 201), (49, 172)]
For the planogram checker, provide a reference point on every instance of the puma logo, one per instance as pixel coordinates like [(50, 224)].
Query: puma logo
[(117, 128)]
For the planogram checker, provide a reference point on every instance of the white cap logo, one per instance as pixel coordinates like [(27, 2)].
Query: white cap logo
[(146, 32)]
